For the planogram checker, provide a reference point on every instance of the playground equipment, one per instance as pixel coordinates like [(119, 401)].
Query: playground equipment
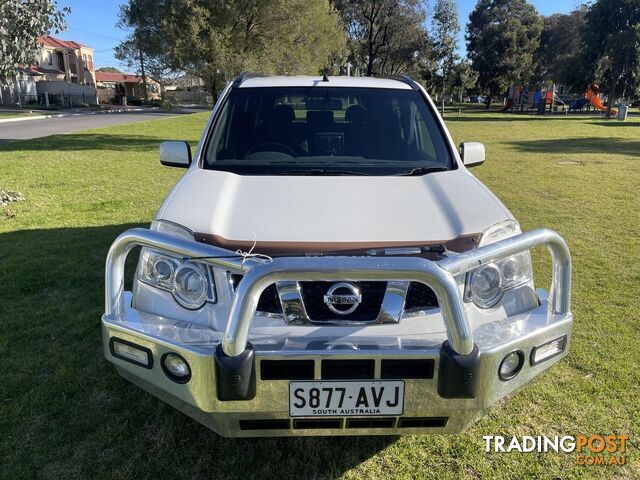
[(521, 99), (593, 95)]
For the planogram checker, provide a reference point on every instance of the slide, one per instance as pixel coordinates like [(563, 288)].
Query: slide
[(592, 95), (596, 102)]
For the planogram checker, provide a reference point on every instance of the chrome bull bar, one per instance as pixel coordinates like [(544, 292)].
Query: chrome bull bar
[(259, 274)]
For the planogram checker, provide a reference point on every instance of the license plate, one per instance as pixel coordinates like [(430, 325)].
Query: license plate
[(345, 398)]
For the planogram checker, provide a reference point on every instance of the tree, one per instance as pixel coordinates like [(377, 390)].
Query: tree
[(385, 36), (612, 40), (561, 47), (218, 39), (21, 23), (144, 48), (444, 41), (108, 69), (502, 36)]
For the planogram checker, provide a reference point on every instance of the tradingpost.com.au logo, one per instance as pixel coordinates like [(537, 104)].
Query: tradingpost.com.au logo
[(589, 450)]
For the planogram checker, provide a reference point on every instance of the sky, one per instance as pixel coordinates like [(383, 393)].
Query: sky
[(93, 23)]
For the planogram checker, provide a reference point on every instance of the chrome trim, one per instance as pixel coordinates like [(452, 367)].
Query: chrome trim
[(259, 274), (293, 309), (295, 313)]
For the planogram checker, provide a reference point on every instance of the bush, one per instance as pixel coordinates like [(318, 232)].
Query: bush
[(135, 101), (80, 105), (55, 100)]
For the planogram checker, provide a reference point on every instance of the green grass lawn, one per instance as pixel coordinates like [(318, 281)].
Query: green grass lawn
[(5, 114), (65, 413)]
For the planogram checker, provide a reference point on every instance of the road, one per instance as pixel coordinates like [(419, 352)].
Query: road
[(27, 129)]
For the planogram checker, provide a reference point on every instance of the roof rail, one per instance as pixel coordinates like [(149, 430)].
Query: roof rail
[(402, 78), (244, 76)]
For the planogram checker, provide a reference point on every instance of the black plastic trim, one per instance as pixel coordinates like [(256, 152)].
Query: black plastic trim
[(459, 374), (244, 76), (371, 422), (268, 424), (287, 369), (149, 366), (316, 424), (347, 369), (422, 422), (170, 375), (235, 376), (410, 368), (533, 350)]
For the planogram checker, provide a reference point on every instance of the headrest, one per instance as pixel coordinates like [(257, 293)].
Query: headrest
[(356, 114), (319, 117), (283, 114)]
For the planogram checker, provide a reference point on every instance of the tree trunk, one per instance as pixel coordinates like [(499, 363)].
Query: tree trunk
[(17, 84), (488, 103), (443, 87), (145, 92), (612, 92)]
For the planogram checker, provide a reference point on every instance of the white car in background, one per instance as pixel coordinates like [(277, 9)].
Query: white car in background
[(327, 265)]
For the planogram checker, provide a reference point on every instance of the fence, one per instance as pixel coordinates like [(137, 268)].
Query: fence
[(62, 100)]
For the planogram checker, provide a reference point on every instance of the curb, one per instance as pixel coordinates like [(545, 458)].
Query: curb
[(60, 115)]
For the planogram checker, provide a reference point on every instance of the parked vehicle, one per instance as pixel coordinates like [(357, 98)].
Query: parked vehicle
[(327, 265)]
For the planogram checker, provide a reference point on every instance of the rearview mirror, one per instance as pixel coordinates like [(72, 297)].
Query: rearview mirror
[(472, 153), (175, 154)]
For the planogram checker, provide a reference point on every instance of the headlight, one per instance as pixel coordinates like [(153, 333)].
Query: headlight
[(486, 285), (190, 283)]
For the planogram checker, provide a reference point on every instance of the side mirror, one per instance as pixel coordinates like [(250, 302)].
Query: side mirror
[(175, 154), (472, 153)]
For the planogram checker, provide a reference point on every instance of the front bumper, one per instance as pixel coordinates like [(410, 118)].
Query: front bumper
[(230, 392)]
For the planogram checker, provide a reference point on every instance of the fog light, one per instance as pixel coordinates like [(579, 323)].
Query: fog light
[(548, 350), (176, 368), (511, 365), (131, 352)]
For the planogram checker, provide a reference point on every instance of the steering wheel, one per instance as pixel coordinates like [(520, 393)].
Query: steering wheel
[(272, 147)]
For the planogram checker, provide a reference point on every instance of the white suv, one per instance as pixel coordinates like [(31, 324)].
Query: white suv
[(328, 266)]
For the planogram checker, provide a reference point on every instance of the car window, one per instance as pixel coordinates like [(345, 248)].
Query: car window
[(327, 129)]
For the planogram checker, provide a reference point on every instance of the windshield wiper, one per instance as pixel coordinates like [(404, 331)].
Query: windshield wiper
[(320, 171), (422, 171)]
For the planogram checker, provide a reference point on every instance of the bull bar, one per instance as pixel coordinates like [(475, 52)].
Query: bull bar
[(234, 352)]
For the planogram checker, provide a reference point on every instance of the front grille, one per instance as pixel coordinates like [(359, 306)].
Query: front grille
[(269, 300), (422, 422), (318, 424), (370, 422), (274, 424), (286, 369), (407, 368), (420, 297), (347, 369), (372, 295)]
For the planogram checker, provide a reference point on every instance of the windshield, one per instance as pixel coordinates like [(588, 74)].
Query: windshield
[(327, 131)]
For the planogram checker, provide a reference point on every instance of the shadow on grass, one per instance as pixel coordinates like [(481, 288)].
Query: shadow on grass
[(86, 141), (70, 403), (496, 116), (607, 145), (614, 123)]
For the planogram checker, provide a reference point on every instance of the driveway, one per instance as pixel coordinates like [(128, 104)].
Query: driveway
[(27, 129)]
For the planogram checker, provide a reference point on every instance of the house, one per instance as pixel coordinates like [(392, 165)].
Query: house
[(114, 86), (65, 60), (62, 72)]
